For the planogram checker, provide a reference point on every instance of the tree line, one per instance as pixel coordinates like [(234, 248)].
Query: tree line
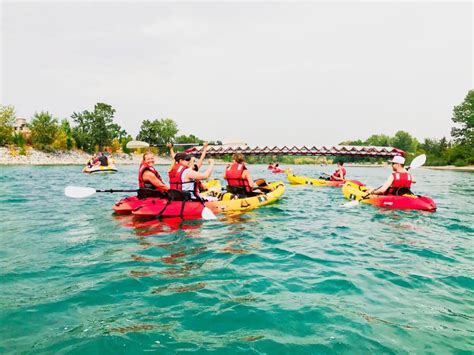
[(94, 130), (88, 130), (458, 151)]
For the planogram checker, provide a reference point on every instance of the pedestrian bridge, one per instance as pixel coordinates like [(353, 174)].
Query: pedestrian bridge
[(340, 150)]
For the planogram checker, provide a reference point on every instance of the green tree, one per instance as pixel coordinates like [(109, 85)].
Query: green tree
[(44, 128), (379, 140), (404, 141), (7, 119), (96, 128), (463, 116), (123, 143), (188, 139), (158, 131), (66, 128)]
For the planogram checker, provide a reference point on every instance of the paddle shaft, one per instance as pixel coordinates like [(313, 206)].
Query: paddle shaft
[(112, 190)]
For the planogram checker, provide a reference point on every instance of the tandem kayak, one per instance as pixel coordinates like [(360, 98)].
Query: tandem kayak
[(100, 169), (128, 204), (353, 191), (303, 180), (226, 202)]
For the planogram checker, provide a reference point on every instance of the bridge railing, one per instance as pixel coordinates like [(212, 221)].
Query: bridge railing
[(358, 151)]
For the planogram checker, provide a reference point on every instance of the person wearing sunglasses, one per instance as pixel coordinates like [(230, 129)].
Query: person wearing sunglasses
[(184, 178), (399, 182)]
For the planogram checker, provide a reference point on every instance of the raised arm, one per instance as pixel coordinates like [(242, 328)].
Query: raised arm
[(203, 155), (201, 176)]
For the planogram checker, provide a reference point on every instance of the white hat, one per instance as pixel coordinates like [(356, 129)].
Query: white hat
[(398, 159)]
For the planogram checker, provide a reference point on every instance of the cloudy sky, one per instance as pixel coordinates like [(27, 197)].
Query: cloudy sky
[(263, 73)]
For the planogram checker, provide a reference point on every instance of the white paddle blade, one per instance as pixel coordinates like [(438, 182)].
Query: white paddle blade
[(79, 192), (420, 160), (137, 145), (207, 214), (351, 204)]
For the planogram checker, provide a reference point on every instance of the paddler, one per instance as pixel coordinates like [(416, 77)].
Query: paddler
[(399, 182), (184, 178), (149, 178), (195, 165), (237, 175), (340, 173)]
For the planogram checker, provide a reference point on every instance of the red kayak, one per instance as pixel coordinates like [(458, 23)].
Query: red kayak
[(422, 203), (159, 207), (154, 206), (278, 171)]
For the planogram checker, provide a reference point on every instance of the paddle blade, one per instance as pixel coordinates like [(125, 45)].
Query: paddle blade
[(351, 204), (79, 192), (207, 214), (137, 145), (420, 160)]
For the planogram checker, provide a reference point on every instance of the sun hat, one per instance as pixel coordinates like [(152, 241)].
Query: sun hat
[(398, 159)]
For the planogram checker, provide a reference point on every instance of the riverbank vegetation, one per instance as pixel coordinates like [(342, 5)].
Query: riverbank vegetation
[(95, 130), (458, 151)]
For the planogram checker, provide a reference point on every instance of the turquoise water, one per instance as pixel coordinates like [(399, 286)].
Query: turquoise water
[(301, 276)]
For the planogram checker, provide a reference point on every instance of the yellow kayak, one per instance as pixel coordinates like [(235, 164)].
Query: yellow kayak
[(228, 202), (100, 169), (213, 185), (303, 180)]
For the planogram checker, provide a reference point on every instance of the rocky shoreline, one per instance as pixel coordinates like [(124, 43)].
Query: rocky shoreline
[(75, 157), (35, 157)]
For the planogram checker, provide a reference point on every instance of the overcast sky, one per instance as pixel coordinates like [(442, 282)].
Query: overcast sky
[(263, 73)]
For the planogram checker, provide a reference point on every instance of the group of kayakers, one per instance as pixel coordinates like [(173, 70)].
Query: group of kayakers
[(100, 159), (184, 175)]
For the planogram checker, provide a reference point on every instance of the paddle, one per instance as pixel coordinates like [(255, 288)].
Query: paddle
[(82, 192), (415, 163), (140, 144)]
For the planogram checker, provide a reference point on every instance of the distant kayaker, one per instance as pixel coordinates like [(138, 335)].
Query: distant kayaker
[(92, 161), (148, 177), (184, 178), (340, 173), (237, 175), (399, 182), (270, 166), (103, 160)]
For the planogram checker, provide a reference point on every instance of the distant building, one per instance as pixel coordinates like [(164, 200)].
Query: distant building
[(20, 126)]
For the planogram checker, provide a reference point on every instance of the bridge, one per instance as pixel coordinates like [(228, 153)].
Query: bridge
[(344, 150)]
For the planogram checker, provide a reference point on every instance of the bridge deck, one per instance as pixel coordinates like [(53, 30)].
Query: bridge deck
[(358, 151)]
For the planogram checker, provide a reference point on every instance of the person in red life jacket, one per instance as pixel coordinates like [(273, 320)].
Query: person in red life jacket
[(270, 166), (237, 175), (148, 177), (184, 178), (196, 166), (340, 173), (399, 182)]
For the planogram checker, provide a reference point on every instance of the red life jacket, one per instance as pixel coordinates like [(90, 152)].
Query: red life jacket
[(400, 180), (142, 184), (336, 174), (176, 179), (233, 175)]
